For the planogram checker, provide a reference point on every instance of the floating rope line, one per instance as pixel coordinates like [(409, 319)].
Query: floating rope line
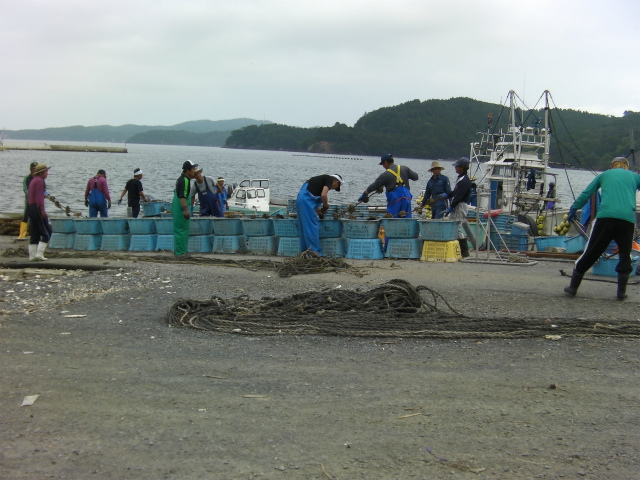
[(393, 309)]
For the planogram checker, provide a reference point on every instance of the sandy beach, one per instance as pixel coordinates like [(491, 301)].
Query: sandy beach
[(123, 395)]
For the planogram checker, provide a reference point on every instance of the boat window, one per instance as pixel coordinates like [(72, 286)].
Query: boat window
[(242, 194), (260, 193), (501, 171), (245, 183), (251, 194), (260, 183)]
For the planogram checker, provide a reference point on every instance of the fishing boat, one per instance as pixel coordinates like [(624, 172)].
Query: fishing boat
[(254, 196)]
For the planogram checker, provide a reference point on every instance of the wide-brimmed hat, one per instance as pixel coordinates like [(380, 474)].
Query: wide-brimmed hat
[(435, 164), (339, 178), (41, 167)]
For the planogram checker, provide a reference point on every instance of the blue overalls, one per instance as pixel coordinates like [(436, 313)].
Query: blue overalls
[(97, 202), (399, 199), (209, 201), (308, 221)]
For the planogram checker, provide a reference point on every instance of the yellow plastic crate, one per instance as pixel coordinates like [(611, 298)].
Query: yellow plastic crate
[(441, 251)]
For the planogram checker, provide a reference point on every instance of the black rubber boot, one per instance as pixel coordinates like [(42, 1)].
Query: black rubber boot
[(576, 279), (622, 286), (464, 247)]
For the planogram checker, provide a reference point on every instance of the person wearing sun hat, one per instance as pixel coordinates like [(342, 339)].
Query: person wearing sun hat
[(312, 204), (24, 226), (436, 192), (40, 228), (180, 208)]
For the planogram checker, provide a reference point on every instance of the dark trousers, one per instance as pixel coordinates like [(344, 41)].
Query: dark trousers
[(39, 228), (604, 231)]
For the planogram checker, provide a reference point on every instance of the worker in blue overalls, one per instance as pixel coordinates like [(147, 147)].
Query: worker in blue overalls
[(96, 195), (208, 195)]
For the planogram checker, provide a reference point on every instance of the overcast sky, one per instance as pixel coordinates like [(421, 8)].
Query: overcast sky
[(305, 63)]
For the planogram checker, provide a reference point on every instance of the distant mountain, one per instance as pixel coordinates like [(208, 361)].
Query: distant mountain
[(180, 137), (121, 134)]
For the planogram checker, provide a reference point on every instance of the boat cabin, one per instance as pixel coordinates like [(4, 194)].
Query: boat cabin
[(252, 194)]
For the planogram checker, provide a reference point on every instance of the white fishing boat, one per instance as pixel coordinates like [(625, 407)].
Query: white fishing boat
[(253, 196)]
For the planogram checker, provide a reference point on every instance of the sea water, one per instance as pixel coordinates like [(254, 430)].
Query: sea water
[(162, 165)]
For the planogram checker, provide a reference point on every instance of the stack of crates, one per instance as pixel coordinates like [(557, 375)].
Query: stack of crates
[(200, 235), (440, 240), (286, 229), (331, 241), (153, 208), (64, 233), (507, 233), (115, 234), (228, 236), (164, 229), (401, 238), (363, 241), (143, 234), (261, 238), (88, 234)]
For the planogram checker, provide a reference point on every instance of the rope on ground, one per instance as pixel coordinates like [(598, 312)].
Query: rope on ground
[(393, 309)]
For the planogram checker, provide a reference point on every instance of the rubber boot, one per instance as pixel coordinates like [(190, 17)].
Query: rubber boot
[(576, 279), (622, 286), (23, 230), (464, 247), (39, 257), (33, 249)]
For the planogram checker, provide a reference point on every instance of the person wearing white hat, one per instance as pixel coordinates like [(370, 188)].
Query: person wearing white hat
[(39, 226), (134, 192), (436, 192), (312, 204)]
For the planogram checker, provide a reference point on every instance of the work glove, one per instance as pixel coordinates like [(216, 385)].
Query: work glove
[(364, 198), (431, 201), (119, 201), (442, 196), (572, 214), (86, 203), (448, 211), (418, 209), (380, 190), (109, 204)]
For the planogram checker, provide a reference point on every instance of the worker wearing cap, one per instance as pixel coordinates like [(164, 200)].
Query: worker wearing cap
[(180, 208), (615, 220), (134, 192), (460, 197), (222, 196), (25, 188), (436, 192), (208, 191), (96, 195), (312, 204), (395, 180), (39, 226)]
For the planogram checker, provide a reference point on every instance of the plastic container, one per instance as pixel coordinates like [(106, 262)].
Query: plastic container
[(330, 228), (404, 248), (334, 247), (513, 243), (200, 226), (365, 248), (88, 226), (87, 242), (143, 243), (607, 268), (152, 209), (164, 225), (288, 246), (441, 251), (542, 243), (229, 244), (400, 228), (262, 245), (286, 227), (142, 226), (439, 230), (575, 244), (164, 242), (62, 225), (114, 226), (360, 229), (503, 222), (227, 226), (118, 242), (62, 240), (257, 227), (518, 228), (199, 243)]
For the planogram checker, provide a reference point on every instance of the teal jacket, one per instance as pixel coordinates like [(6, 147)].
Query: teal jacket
[(618, 187)]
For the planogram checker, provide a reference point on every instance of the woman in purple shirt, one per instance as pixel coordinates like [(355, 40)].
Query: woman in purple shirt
[(39, 222)]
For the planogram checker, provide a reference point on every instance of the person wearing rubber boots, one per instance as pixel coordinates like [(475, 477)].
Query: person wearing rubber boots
[(395, 180), (39, 226), (96, 195), (459, 206), (436, 192), (180, 208), (24, 226), (312, 204), (615, 220)]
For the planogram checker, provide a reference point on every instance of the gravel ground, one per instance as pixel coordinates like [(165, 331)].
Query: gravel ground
[(122, 395)]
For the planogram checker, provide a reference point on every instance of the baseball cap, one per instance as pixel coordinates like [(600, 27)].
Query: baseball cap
[(621, 160), (386, 158), (462, 162), (187, 165)]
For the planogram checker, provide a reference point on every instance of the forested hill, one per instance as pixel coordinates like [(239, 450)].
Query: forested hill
[(441, 129)]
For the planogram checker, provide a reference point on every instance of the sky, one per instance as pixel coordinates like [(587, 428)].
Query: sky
[(305, 63)]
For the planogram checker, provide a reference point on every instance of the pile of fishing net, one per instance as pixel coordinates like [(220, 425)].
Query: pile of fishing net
[(393, 309)]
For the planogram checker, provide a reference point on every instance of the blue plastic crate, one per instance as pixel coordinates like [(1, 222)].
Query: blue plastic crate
[(607, 267), (153, 209), (504, 221), (400, 227), (229, 244), (518, 228), (365, 248), (199, 243), (62, 225), (227, 226), (286, 227), (330, 228), (164, 242), (288, 246), (164, 225), (118, 242), (334, 247), (575, 244), (143, 243), (114, 226), (257, 227), (542, 243), (87, 242), (62, 240), (404, 248), (88, 226), (439, 230), (262, 245), (142, 226), (200, 226), (514, 243), (360, 228)]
